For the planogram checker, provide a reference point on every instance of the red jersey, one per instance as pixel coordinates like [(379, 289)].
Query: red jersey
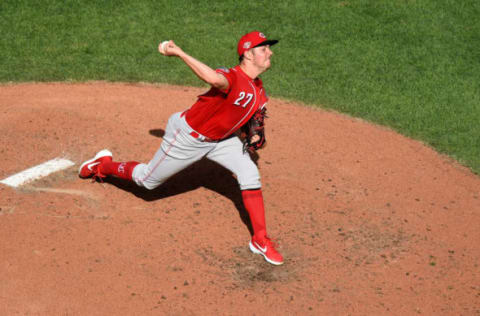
[(218, 114)]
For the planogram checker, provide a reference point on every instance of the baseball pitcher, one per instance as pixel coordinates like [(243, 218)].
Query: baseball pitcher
[(235, 105)]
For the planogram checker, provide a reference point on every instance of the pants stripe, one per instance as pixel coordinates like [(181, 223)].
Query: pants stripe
[(164, 156)]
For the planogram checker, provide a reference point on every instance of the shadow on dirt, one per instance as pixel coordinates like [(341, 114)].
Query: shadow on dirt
[(157, 132), (204, 173)]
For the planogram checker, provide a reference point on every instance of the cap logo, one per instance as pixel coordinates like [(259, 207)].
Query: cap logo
[(262, 35), (247, 45)]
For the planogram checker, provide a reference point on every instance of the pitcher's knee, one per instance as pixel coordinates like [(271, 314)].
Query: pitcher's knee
[(143, 178), (250, 180), (151, 185)]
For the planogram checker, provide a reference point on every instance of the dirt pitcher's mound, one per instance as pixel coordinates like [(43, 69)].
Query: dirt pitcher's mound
[(370, 223)]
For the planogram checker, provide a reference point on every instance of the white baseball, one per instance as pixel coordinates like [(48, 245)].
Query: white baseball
[(163, 45)]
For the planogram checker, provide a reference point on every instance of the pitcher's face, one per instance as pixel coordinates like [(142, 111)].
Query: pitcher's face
[(261, 56)]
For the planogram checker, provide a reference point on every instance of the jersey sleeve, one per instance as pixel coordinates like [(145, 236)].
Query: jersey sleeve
[(227, 73)]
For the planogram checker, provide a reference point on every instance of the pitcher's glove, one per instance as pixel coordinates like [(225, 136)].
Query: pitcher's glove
[(253, 131)]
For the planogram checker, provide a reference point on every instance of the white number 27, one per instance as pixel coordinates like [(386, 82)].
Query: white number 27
[(242, 96)]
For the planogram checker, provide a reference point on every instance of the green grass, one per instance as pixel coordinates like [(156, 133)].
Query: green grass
[(413, 65)]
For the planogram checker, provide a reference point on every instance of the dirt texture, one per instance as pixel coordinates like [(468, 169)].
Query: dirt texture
[(370, 222)]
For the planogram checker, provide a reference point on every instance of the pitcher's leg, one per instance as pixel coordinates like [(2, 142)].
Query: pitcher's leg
[(229, 153), (160, 168), (178, 151)]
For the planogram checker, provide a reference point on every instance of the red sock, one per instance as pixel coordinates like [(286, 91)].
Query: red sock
[(253, 201), (121, 170)]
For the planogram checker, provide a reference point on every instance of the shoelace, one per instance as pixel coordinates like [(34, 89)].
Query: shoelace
[(98, 174), (271, 243)]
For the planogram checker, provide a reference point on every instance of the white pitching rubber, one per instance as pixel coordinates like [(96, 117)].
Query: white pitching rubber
[(37, 172)]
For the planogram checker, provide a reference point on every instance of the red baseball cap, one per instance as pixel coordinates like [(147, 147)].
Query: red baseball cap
[(251, 40)]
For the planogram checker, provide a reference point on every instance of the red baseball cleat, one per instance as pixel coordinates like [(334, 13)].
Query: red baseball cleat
[(90, 167), (266, 248)]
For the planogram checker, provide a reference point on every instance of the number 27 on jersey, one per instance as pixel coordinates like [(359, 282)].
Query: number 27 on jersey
[(243, 99)]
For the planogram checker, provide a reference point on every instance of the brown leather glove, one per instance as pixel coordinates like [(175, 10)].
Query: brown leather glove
[(254, 131)]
